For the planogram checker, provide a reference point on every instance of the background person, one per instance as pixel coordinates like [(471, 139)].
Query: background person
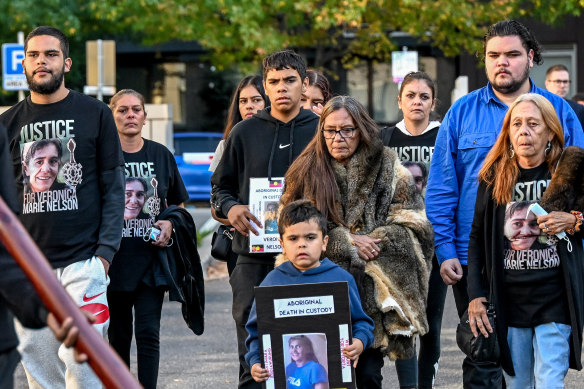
[(374, 217), (41, 163), (538, 302), (135, 301), (318, 92), (557, 81), (419, 174), (247, 100), (413, 140), (263, 146), (579, 98)]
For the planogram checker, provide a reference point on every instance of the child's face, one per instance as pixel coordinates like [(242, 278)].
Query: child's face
[(303, 244)]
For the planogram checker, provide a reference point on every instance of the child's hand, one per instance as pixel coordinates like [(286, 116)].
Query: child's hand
[(258, 373), (353, 351)]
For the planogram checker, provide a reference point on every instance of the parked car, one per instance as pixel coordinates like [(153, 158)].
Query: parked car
[(193, 152)]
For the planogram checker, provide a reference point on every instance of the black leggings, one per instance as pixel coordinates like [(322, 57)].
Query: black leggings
[(248, 273), (421, 372), (147, 303)]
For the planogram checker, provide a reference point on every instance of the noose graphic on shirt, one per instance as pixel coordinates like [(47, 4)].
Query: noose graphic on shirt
[(72, 171), (153, 203)]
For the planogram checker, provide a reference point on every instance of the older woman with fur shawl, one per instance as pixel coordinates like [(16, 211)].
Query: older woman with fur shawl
[(378, 230), (530, 265)]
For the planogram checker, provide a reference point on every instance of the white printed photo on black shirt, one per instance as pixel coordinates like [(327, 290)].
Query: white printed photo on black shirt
[(50, 175), (526, 247), (137, 216)]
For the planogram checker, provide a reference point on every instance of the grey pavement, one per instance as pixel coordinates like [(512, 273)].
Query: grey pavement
[(210, 360)]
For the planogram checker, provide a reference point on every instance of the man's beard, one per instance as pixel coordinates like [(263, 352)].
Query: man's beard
[(513, 85), (48, 87)]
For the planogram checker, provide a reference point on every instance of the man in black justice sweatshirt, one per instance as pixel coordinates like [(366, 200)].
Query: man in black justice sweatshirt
[(67, 163), (262, 146)]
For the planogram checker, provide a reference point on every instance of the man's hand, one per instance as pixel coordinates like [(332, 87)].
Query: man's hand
[(258, 373), (451, 271), (239, 217), (165, 228), (67, 333), (106, 264), (353, 351)]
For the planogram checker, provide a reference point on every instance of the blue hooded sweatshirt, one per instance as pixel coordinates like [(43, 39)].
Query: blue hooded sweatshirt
[(287, 274)]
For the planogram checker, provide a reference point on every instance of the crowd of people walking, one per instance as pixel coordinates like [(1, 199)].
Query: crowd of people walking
[(399, 212)]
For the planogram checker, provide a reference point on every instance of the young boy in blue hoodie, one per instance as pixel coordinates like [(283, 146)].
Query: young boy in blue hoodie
[(303, 237)]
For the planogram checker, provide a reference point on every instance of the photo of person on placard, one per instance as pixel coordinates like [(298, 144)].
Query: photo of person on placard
[(41, 161), (136, 190), (270, 220), (304, 370), (521, 227)]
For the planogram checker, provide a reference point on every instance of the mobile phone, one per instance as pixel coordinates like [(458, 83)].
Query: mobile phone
[(539, 211)]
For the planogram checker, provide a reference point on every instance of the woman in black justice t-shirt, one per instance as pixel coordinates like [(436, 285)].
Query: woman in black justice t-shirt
[(152, 184), (537, 277), (413, 140)]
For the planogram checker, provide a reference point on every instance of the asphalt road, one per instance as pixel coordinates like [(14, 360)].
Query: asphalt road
[(210, 360)]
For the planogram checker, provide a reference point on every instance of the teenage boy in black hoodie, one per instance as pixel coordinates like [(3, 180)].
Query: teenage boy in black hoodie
[(262, 146)]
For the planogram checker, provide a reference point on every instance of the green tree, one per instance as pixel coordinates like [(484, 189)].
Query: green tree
[(237, 32)]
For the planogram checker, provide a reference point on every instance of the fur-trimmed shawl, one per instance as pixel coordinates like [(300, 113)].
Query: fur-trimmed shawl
[(566, 189), (378, 198)]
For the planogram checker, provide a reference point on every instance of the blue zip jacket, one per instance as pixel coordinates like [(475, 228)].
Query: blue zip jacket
[(287, 274), (466, 135)]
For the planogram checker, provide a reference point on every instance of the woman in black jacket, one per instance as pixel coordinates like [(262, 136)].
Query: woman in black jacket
[(532, 262)]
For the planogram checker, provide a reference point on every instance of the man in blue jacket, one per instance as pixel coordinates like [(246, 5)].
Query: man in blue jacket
[(466, 135)]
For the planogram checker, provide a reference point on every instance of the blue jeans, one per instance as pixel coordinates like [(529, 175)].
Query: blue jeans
[(541, 356)]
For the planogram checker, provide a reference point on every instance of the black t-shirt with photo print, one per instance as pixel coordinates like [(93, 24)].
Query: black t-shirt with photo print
[(152, 184), (59, 152), (533, 281)]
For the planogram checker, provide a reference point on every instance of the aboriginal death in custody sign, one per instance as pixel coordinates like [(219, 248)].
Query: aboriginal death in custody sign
[(264, 197), (302, 330)]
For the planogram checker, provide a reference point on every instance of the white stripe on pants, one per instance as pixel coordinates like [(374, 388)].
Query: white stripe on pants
[(47, 363)]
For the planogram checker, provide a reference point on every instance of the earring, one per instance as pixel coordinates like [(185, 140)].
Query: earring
[(512, 152), (548, 147)]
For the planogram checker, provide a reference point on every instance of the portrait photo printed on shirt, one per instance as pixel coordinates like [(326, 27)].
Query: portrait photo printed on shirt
[(142, 203), (526, 246), (50, 175), (302, 330)]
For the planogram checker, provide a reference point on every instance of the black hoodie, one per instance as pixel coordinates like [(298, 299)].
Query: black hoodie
[(261, 146)]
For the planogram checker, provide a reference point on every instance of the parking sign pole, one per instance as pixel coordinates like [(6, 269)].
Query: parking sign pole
[(20, 40)]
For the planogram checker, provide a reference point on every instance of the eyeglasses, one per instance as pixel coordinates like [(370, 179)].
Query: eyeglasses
[(561, 82), (347, 132)]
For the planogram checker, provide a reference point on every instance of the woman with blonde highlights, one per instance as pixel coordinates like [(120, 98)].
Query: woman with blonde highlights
[(531, 265)]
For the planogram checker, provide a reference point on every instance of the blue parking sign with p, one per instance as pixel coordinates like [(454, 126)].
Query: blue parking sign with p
[(13, 77)]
